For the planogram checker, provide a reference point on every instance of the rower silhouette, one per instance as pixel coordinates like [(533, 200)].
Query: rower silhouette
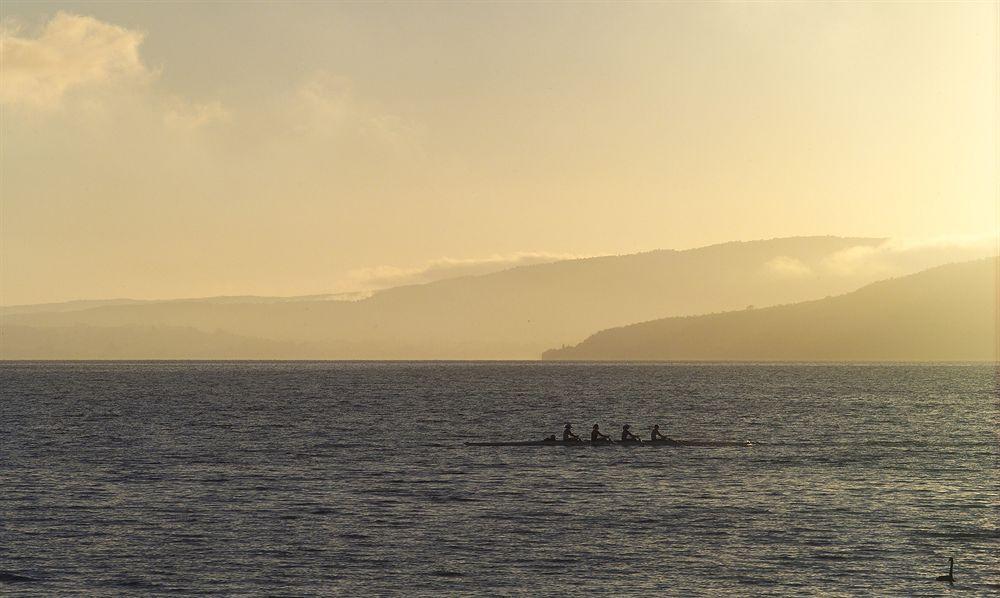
[(655, 435), (568, 435), (596, 436), (627, 435), (950, 578)]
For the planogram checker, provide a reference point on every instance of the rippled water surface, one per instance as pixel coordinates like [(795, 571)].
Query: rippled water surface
[(325, 478)]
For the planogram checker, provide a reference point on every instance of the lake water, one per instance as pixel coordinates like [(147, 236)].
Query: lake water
[(295, 478)]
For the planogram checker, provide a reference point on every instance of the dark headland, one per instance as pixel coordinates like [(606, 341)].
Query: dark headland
[(947, 313)]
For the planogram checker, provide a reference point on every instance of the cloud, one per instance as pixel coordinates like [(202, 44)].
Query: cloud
[(70, 52), (93, 74), (323, 103), (784, 266), (899, 256), (327, 106), (180, 114), (380, 277), (77, 72)]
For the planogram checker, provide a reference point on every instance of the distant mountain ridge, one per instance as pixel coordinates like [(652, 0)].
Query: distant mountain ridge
[(947, 313), (81, 304), (510, 314)]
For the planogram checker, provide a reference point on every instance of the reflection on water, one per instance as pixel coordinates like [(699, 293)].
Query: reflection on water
[(304, 478)]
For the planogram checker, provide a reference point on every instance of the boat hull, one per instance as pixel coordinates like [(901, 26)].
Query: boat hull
[(583, 443)]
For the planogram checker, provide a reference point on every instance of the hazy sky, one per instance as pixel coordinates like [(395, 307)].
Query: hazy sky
[(170, 150)]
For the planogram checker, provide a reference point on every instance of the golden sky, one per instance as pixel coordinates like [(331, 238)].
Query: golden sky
[(184, 149)]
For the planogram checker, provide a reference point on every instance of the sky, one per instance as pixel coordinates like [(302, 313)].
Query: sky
[(164, 150)]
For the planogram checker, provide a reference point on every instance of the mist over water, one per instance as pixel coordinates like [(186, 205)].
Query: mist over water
[(329, 477)]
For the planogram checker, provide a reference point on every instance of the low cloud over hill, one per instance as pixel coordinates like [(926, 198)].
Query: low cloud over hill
[(516, 313)]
